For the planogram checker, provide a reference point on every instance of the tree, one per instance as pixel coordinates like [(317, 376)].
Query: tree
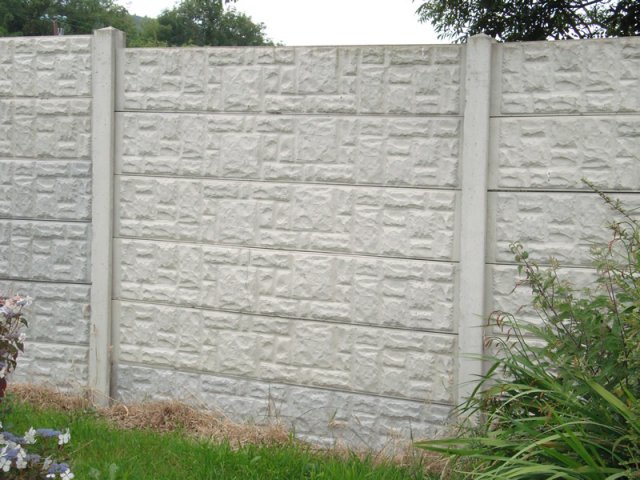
[(206, 22), (524, 20), (36, 17)]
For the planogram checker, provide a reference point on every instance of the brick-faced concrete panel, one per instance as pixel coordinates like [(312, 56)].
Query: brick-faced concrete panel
[(45, 128), (392, 80), (45, 67), (320, 416), (562, 225), (39, 250), (59, 311), (556, 152), (60, 366), (380, 291), (370, 150), (45, 189), (399, 363), (368, 220), (570, 77)]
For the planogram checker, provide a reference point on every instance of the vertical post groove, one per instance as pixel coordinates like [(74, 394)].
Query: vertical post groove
[(105, 44), (473, 212)]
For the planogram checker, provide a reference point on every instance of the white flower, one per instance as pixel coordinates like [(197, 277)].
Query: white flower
[(64, 437), (67, 475), (3, 372), (5, 463), (21, 459), (30, 436)]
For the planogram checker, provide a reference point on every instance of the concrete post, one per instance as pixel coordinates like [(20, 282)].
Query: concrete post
[(106, 43), (473, 214)]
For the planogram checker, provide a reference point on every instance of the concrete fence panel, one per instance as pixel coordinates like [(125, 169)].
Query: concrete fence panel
[(314, 234)]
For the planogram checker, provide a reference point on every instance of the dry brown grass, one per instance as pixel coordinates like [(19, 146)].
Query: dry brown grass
[(161, 417), (168, 416)]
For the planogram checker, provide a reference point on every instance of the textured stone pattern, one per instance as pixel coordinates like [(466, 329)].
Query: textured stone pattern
[(399, 363), (42, 250), (45, 67), (318, 415), (556, 152), (362, 220), (59, 312), (293, 210), (45, 200), (570, 77), (56, 365), (382, 80), (560, 224), (342, 288), (385, 150), (45, 189), (45, 128)]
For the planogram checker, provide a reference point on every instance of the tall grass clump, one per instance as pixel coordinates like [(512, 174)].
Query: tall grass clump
[(560, 399)]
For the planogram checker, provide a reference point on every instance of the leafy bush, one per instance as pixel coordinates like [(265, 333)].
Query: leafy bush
[(561, 397)]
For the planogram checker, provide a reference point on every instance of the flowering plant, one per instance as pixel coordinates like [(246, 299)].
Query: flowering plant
[(21, 464), (11, 339), (17, 460)]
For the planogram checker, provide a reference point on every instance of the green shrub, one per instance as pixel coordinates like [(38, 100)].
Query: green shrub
[(560, 399)]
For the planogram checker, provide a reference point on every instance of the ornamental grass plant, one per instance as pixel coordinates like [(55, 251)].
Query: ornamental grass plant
[(561, 397)]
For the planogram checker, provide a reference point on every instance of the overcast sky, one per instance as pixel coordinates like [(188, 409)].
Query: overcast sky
[(323, 22)]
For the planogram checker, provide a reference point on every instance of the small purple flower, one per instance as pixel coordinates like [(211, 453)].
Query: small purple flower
[(47, 432)]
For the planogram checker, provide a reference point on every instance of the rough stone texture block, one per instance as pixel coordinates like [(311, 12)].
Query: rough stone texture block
[(570, 76), (556, 152), (59, 313), (399, 363), (413, 80), (371, 150), (320, 416), (60, 366), (43, 189), (373, 220), (380, 291), (562, 225), (45, 128), (35, 250), (45, 67)]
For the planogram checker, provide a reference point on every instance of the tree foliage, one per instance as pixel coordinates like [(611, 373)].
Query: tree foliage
[(192, 22), (207, 22), (36, 17), (524, 20)]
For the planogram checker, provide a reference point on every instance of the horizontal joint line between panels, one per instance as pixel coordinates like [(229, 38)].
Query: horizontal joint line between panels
[(294, 114), (562, 190), (50, 220), (288, 182), (279, 382), (542, 264), (575, 114), (31, 280), (283, 317), (45, 98), (282, 249), (64, 344), (86, 160)]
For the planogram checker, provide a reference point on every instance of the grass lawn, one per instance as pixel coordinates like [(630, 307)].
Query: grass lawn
[(98, 448)]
